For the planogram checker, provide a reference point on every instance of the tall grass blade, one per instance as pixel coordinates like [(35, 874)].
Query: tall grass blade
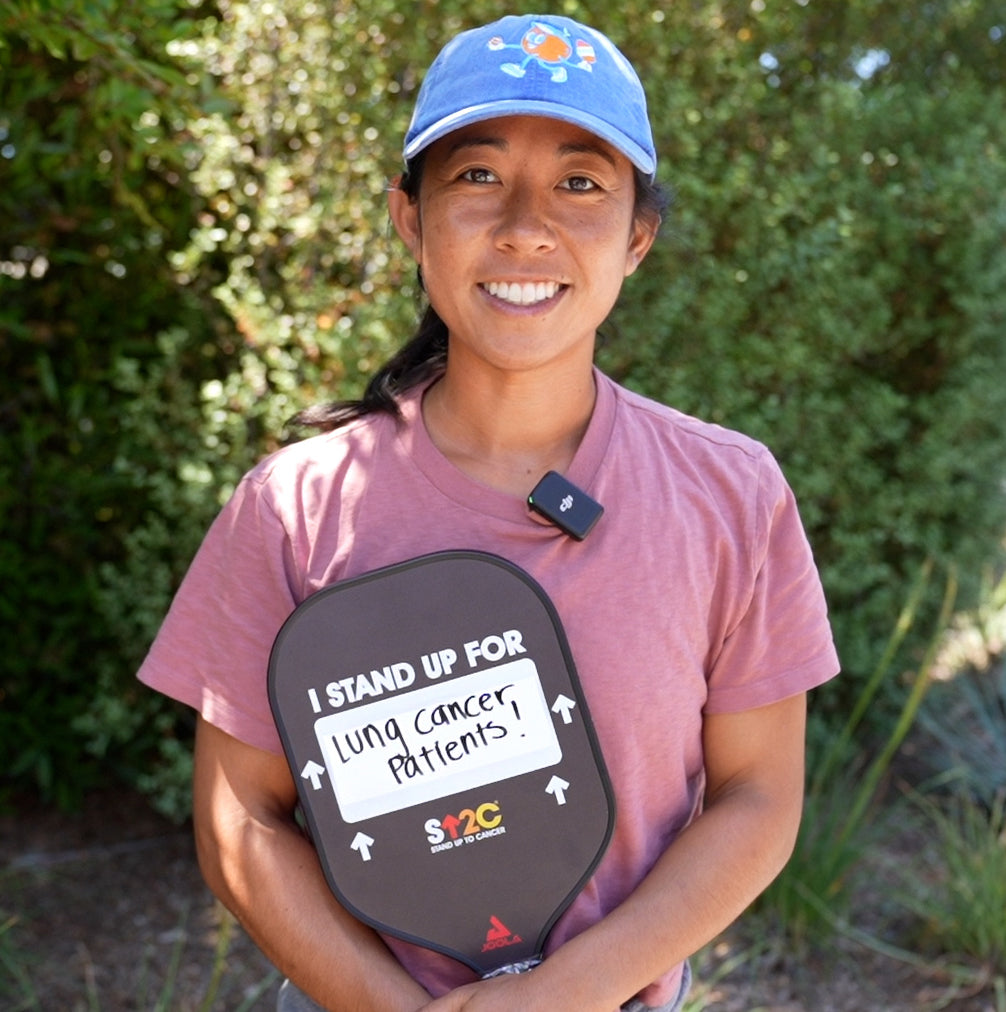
[(15, 982), (903, 625), (832, 836), (220, 953), (906, 718)]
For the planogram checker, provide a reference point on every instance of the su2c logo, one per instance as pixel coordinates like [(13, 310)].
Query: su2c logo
[(470, 822)]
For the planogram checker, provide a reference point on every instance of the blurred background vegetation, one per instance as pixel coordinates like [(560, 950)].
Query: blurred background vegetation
[(194, 244)]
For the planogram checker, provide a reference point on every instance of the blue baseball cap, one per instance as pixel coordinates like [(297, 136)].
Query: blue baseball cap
[(535, 65)]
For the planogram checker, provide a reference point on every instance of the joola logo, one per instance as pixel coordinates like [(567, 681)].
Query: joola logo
[(499, 936), (549, 48)]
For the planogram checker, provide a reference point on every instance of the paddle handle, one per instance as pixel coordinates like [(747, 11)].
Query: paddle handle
[(521, 966)]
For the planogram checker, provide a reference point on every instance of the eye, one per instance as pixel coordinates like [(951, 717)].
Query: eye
[(579, 184), (479, 176)]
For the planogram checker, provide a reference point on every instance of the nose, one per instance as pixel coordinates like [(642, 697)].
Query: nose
[(525, 224)]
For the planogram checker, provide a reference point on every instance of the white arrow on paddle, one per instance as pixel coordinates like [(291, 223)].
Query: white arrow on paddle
[(565, 706), (363, 843), (557, 787), (313, 772)]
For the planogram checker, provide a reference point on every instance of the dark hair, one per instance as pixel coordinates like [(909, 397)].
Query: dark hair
[(425, 354)]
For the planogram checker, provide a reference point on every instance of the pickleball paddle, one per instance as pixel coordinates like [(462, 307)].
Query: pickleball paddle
[(444, 755)]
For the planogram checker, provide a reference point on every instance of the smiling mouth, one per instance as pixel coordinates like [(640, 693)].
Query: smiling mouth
[(527, 293)]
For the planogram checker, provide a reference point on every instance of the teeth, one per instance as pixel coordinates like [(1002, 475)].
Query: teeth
[(526, 294)]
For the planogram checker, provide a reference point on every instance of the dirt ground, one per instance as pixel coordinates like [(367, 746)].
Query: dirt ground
[(111, 914), (105, 911)]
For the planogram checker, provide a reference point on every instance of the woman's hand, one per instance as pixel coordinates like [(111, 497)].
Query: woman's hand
[(505, 993)]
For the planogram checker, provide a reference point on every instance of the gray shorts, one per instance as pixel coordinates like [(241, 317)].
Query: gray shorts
[(292, 999)]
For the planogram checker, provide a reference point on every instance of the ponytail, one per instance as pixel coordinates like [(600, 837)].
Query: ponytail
[(422, 358), (416, 362)]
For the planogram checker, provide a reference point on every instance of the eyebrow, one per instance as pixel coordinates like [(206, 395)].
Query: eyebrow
[(463, 143), (490, 141), (589, 149)]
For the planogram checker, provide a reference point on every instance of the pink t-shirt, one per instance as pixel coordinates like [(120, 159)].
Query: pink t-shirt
[(695, 593)]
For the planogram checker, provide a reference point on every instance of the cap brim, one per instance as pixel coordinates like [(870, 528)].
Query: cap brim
[(642, 159)]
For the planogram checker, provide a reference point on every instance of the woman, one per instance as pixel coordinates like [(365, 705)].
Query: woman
[(693, 610)]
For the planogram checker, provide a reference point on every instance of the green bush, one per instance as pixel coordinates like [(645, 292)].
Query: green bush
[(193, 245), (94, 193), (958, 887), (812, 896), (834, 284)]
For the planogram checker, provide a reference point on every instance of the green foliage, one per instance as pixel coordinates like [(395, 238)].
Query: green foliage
[(16, 988), (965, 724), (958, 888), (294, 184), (813, 893), (961, 736), (833, 282), (93, 194), (193, 244)]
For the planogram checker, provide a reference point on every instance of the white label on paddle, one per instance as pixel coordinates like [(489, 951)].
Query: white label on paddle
[(453, 736)]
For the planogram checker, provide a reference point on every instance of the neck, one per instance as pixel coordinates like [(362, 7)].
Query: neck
[(507, 430)]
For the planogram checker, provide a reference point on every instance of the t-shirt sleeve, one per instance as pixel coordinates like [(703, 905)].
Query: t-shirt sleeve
[(780, 643), (212, 651)]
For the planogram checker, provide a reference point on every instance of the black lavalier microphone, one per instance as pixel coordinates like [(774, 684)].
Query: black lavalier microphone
[(565, 505)]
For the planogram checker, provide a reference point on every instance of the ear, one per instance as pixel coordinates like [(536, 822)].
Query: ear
[(404, 214), (644, 233)]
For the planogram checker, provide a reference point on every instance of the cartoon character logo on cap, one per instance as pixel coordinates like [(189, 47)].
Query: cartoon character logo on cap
[(550, 48)]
